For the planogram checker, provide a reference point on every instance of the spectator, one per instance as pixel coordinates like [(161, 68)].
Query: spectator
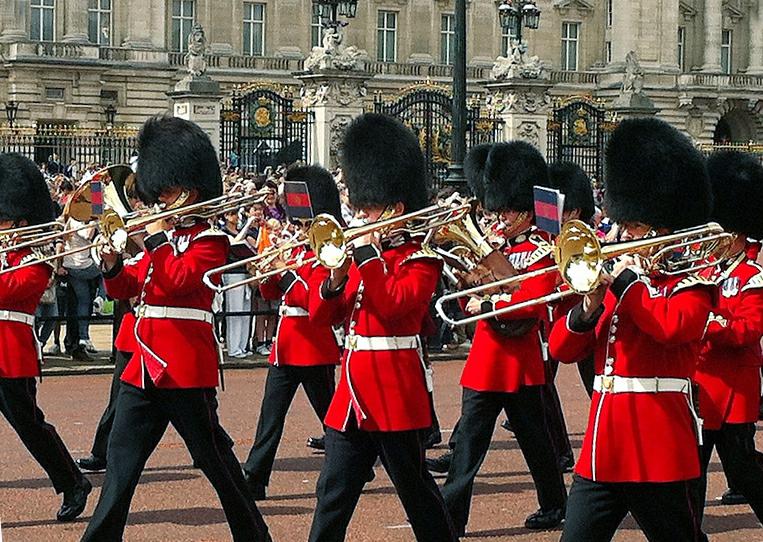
[(237, 299), (54, 165), (72, 170)]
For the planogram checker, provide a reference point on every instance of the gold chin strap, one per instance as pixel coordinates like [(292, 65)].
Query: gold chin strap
[(180, 200), (509, 229)]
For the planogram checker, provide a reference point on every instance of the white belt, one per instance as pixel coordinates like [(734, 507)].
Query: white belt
[(13, 316), (624, 384), (286, 310), (174, 313), (360, 343)]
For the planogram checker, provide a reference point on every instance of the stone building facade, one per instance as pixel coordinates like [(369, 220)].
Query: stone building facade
[(64, 61)]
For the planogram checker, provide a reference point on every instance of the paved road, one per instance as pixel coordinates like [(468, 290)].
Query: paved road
[(175, 503)]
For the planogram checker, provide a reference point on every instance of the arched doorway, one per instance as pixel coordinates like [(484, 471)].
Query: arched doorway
[(736, 126)]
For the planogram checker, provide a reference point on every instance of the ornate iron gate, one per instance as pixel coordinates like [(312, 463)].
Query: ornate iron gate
[(260, 127), (578, 133), (428, 110)]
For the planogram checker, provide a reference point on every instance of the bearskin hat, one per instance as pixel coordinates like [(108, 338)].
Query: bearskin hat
[(24, 195), (474, 169), (324, 195), (737, 181), (172, 153), (656, 176), (572, 181), (382, 163), (511, 171)]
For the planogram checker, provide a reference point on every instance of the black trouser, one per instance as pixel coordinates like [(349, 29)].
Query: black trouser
[(665, 512), (101, 440), (554, 415), (141, 419), (18, 403), (350, 455), (735, 443), (280, 386), (479, 412)]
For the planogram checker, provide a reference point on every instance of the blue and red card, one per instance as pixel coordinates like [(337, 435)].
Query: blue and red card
[(297, 200), (549, 206)]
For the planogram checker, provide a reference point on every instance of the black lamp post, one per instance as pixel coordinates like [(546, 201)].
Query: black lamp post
[(513, 14), (11, 110), (458, 134), (111, 113), (329, 11)]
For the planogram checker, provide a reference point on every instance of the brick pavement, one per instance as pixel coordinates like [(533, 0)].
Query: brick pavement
[(175, 503)]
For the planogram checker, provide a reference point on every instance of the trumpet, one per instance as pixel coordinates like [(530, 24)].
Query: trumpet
[(581, 260), (104, 203), (330, 243)]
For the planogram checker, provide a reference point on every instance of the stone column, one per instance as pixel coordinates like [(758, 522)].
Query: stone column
[(197, 99), (15, 14), (713, 31), (335, 97), (756, 40), (75, 21), (523, 105), (146, 28)]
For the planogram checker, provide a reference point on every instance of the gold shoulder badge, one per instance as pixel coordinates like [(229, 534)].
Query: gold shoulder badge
[(544, 248), (755, 282), (691, 281), (424, 253)]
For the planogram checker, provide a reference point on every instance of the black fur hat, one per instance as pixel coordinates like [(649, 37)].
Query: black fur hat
[(572, 181), (511, 171), (655, 176), (737, 181), (382, 163), (474, 169), (324, 196), (173, 152), (24, 194)]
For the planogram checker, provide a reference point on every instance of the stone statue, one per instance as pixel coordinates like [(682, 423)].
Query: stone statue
[(197, 48), (633, 80), (518, 64), (334, 54)]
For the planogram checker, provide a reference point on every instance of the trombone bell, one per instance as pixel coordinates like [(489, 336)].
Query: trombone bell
[(579, 257), (328, 241)]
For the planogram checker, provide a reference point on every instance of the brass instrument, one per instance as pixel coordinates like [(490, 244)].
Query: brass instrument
[(581, 259), (330, 243), (104, 203)]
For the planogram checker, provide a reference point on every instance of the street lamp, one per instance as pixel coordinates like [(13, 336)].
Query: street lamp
[(513, 14), (111, 113), (329, 11), (456, 177), (11, 109)]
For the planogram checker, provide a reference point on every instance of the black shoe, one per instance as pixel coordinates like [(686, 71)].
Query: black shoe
[(731, 497), (440, 464), (506, 425), (566, 463), (92, 463), (255, 488), (316, 443), (433, 439), (75, 500), (545, 520), (80, 354)]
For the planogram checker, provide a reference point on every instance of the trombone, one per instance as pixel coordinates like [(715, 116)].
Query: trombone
[(581, 259), (330, 243)]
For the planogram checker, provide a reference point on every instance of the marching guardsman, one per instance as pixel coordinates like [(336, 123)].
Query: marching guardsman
[(640, 451), (728, 373), (25, 201), (505, 369), (172, 375), (382, 294), (304, 353)]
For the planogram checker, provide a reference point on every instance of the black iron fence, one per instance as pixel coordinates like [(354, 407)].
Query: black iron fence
[(756, 149), (86, 146)]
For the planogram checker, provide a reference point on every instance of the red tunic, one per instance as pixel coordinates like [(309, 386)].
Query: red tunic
[(176, 353), (500, 363), (20, 291), (647, 329), (386, 295), (728, 373), (298, 341)]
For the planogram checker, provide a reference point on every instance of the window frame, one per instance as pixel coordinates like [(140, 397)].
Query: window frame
[(567, 42), (42, 7), (727, 51), (385, 31), (98, 12), (182, 19), (506, 36), (681, 39), (248, 49), (447, 38)]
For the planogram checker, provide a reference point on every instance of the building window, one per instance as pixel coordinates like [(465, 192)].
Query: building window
[(447, 39), (610, 13), (316, 31), (570, 33), (99, 21), (386, 36), (43, 19), (608, 52), (507, 35), (726, 51), (182, 21), (254, 29), (682, 48)]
